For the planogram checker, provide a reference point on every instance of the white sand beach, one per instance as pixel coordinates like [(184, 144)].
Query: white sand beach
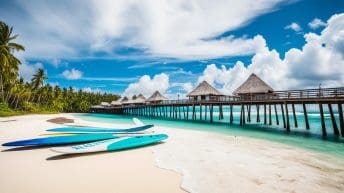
[(191, 161)]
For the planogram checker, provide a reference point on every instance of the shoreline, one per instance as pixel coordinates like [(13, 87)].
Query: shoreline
[(211, 162)]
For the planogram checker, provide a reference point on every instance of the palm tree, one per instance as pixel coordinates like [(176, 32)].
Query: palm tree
[(8, 62), (38, 81)]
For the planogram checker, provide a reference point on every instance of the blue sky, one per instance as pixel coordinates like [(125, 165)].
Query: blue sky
[(134, 47)]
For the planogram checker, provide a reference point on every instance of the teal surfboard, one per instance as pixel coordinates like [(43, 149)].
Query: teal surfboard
[(60, 140), (99, 129), (112, 144)]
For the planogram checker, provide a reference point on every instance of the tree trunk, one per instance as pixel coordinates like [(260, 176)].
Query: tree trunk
[(2, 88)]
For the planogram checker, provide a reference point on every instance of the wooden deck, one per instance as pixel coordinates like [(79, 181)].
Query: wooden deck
[(272, 103)]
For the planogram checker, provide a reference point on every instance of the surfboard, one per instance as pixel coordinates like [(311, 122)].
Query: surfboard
[(99, 130), (60, 140), (112, 144)]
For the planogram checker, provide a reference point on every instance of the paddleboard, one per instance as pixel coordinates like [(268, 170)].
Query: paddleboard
[(112, 144), (99, 130), (60, 140)]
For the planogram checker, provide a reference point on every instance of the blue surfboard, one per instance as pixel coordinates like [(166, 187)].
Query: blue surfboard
[(112, 144), (99, 130), (60, 140)]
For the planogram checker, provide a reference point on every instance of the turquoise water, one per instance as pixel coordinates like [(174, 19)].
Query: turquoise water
[(298, 137)]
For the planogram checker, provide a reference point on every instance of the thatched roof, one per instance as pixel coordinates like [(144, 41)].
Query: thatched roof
[(104, 104), (116, 103), (138, 100), (157, 96), (253, 85), (124, 99), (204, 88)]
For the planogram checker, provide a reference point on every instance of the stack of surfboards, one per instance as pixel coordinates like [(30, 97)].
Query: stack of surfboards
[(93, 139)]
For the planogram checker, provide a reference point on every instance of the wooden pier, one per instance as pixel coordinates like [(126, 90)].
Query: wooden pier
[(278, 101)]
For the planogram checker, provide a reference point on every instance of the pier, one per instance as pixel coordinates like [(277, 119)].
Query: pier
[(253, 94), (280, 101)]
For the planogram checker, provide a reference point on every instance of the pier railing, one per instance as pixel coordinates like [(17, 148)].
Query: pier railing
[(291, 95), (321, 93)]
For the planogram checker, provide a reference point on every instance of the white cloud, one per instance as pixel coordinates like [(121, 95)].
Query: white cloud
[(146, 86), (168, 28), (72, 74), (26, 70), (294, 26), (316, 23), (321, 60), (187, 87), (89, 89)]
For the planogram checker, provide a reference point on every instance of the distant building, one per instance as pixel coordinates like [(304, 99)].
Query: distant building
[(204, 91), (140, 99), (156, 97)]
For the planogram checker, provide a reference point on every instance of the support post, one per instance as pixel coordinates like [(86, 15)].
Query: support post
[(341, 119), (333, 119), (287, 116), (323, 126), (270, 121), (243, 115), (258, 116), (283, 117), (200, 112), (276, 115), (211, 113), (305, 115), (231, 115), (265, 114), (294, 115)]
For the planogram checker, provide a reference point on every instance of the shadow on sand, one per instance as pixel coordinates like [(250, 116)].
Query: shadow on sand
[(69, 156)]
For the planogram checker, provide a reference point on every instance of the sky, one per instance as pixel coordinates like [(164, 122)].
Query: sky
[(130, 47)]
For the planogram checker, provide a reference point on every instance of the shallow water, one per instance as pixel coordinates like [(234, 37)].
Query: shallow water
[(311, 140)]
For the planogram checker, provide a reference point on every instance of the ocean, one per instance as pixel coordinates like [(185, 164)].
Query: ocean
[(300, 137)]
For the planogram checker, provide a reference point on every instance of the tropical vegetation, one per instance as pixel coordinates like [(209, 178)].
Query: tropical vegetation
[(36, 96)]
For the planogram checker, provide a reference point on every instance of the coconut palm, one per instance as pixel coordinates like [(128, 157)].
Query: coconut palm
[(9, 64), (37, 82)]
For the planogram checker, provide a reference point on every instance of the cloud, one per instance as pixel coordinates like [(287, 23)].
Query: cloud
[(146, 86), (294, 26), (320, 60), (187, 87), (316, 23), (89, 89), (172, 29), (72, 74), (26, 70)]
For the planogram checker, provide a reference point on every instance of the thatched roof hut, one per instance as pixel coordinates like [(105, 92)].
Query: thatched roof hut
[(140, 99), (253, 85), (157, 97), (204, 91)]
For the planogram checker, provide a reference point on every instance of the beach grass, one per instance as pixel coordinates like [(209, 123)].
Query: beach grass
[(6, 111)]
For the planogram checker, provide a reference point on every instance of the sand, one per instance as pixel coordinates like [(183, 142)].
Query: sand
[(215, 163), (191, 160), (40, 170)]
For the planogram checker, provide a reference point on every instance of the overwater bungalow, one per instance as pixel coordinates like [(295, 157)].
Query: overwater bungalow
[(253, 87), (204, 91), (156, 97)]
